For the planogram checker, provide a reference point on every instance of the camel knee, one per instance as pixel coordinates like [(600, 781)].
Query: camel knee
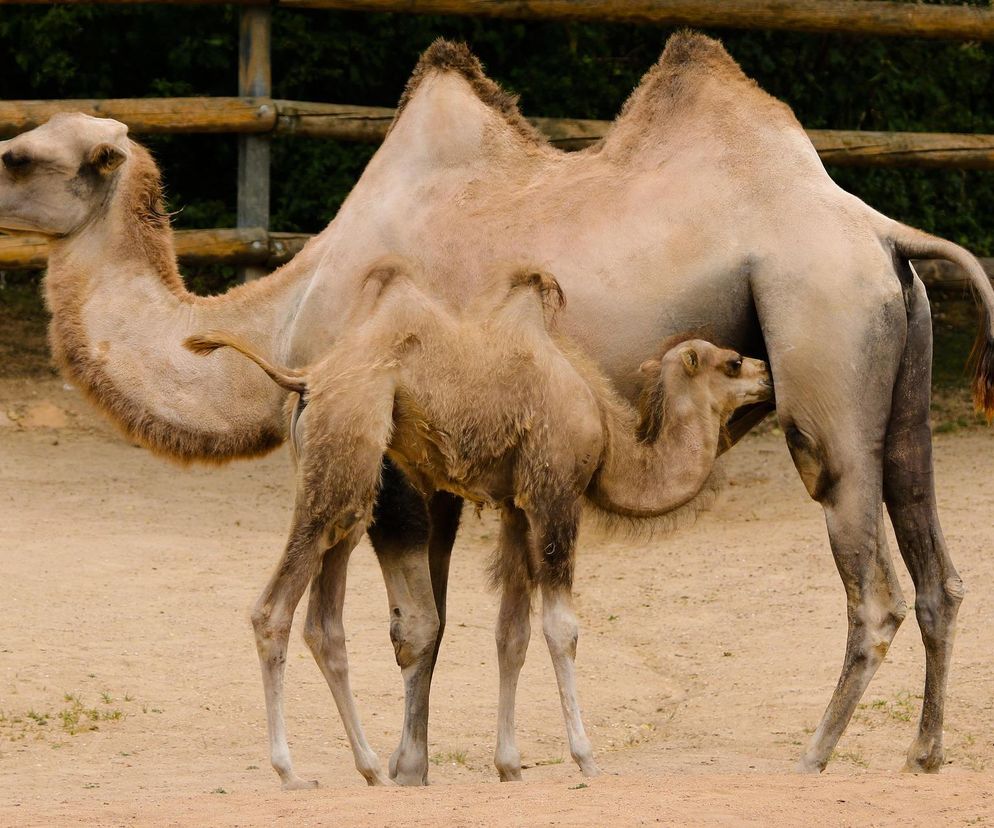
[(313, 636), (270, 628), (936, 609), (512, 640), (327, 646), (561, 631), (413, 635), (953, 590), (876, 630)]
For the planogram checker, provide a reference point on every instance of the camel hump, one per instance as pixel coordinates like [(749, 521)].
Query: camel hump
[(697, 94), (688, 50), (448, 56), (689, 61)]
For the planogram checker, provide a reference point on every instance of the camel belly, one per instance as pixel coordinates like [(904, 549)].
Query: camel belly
[(428, 461)]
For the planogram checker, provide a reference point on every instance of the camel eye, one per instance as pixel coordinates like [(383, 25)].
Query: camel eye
[(734, 367)]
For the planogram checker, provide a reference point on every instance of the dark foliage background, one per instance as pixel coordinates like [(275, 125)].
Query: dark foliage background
[(559, 69)]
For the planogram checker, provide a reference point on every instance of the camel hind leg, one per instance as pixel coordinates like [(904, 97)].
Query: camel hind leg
[(271, 620), (340, 437), (909, 492), (834, 410), (325, 635)]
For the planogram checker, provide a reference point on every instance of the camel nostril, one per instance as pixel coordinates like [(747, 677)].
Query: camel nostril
[(15, 161)]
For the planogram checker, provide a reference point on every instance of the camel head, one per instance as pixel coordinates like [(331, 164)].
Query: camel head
[(56, 177), (706, 376)]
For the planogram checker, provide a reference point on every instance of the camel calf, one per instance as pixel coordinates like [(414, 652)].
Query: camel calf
[(493, 406)]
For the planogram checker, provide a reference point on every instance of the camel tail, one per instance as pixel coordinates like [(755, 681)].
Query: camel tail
[(914, 244), (210, 341)]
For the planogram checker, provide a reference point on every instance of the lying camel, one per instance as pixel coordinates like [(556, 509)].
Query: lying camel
[(704, 208), (489, 405)]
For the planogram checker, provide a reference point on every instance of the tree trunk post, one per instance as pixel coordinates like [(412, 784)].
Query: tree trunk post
[(254, 81)]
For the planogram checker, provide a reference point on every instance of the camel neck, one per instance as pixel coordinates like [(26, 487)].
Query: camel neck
[(120, 313), (640, 479)]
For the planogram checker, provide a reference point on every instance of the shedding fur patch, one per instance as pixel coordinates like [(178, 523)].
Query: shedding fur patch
[(510, 566), (448, 56)]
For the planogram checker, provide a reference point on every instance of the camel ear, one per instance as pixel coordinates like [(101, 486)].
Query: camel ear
[(691, 362), (105, 158), (650, 367)]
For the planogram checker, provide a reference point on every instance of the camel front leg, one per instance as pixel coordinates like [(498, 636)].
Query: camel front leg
[(325, 635), (271, 619), (561, 632)]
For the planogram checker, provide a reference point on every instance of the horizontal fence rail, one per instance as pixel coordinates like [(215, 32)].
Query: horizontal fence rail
[(865, 17), (233, 246), (254, 246), (149, 115), (370, 123), (869, 17)]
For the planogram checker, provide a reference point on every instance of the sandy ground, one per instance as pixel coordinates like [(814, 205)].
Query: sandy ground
[(130, 694)]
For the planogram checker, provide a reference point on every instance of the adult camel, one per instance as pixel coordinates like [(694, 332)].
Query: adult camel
[(705, 208)]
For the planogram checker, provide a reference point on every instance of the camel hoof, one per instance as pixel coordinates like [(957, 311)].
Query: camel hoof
[(411, 780), (808, 766), (927, 764), (409, 772), (509, 775), (300, 785), (926, 756), (589, 769)]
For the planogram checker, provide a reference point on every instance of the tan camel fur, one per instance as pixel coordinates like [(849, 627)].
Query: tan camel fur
[(705, 208), (488, 405)]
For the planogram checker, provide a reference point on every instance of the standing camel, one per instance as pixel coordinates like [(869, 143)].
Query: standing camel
[(705, 208), (493, 407)]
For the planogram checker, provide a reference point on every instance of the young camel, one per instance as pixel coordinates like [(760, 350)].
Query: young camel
[(493, 407)]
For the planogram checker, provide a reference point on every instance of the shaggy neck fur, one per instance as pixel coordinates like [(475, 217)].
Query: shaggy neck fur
[(120, 312)]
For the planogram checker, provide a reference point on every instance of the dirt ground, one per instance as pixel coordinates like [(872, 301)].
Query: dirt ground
[(130, 693)]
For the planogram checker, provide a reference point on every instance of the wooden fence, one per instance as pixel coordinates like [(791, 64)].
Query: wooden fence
[(255, 116)]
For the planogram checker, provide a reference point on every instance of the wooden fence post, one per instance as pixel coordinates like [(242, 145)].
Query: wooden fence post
[(255, 81)]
